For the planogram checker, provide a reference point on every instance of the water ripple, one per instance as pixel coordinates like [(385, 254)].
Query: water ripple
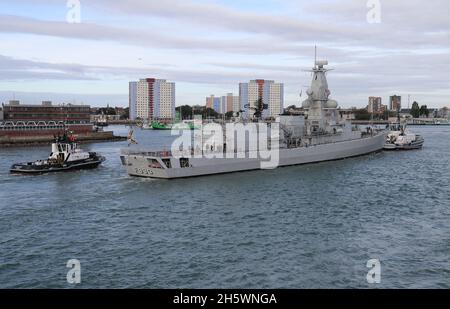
[(313, 226)]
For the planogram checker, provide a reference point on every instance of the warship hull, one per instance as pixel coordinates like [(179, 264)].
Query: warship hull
[(143, 164)]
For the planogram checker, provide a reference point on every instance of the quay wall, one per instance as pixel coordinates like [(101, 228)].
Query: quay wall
[(18, 140)]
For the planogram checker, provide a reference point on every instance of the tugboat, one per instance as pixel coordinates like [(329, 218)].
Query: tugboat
[(400, 138), (65, 156)]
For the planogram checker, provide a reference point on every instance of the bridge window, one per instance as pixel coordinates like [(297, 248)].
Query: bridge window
[(167, 163), (124, 161), (184, 163), (153, 163)]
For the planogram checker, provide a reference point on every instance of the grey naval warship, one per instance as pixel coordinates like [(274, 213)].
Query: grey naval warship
[(319, 135)]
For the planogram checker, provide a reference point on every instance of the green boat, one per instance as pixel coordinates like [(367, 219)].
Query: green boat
[(161, 126), (185, 125)]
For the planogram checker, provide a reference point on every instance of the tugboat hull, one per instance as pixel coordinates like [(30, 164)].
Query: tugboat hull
[(417, 144), (32, 169)]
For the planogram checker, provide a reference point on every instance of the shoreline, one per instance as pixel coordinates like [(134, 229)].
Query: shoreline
[(39, 144), (384, 122), (35, 141)]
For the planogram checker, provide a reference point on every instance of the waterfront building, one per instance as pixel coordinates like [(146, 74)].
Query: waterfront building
[(152, 98), (376, 106), (132, 100), (210, 101), (442, 113), (395, 103), (405, 113), (230, 103), (347, 114), (46, 112), (271, 94), (214, 103), (107, 118), (23, 121), (224, 104)]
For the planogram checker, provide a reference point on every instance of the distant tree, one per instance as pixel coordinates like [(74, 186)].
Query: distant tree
[(185, 111), (126, 114), (415, 110), (362, 114), (424, 111), (392, 114), (229, 115), (198, 109), (210, 113), (106, 111)]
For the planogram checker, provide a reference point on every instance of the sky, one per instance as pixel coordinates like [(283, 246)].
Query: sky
[(87, 53)]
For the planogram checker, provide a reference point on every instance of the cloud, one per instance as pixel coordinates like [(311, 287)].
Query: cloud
[(416, 23), (328, 22), (150, 38), (406, 53), (19, 69)]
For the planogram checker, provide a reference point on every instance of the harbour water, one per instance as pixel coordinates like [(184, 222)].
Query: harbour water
[(312, 226)]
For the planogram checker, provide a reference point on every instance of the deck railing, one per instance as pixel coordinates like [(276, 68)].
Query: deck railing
[(157, 154)]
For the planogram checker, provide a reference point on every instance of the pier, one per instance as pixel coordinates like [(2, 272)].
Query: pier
[(43, 133), (13, 141)]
